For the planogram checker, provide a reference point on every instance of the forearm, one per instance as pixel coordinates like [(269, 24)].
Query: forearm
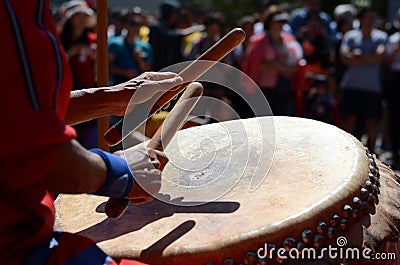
[(75, 170), (282, 68), (350, 59), (87, 104), (373, 58), (288, 70), (268, 67), (91, 103)]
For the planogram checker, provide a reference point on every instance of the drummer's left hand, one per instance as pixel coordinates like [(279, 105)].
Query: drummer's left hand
[(146, 165)]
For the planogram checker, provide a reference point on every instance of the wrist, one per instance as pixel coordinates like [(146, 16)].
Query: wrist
[(120, 180), (118, 99)]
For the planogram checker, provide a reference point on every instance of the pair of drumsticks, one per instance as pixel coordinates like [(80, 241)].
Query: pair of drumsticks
[(178, 115)]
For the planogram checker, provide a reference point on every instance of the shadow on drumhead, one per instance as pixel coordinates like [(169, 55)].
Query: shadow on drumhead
[(138, 216), (155, 251)]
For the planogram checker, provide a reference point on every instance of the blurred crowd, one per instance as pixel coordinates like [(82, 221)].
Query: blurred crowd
[(342, 69)]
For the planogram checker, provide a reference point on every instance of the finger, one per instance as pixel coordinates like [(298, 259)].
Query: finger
[(146, 178), (168, 84), (162, 158), (159, 154), (119, 153), (154, 187), (157, 158), (163, 162), (156, 163), (158, 76), (143, 187), (166, 106), (150, 190), (142, 200), (151, 153)]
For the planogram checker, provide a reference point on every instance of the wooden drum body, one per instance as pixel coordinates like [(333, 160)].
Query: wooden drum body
[(312, 171)]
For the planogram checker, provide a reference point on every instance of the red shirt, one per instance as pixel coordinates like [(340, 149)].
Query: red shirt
[(35, 90), (261, 50)]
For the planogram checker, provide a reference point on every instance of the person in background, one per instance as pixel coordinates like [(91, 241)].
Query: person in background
[(128, 55), (259, 24), (344, 24), (344, 16), (214, 24), (271, 61), (116, 25), (319, 101), (80, 43), (299, 16), (318, 59), (342, 11), (238, 55), (165, 37), (394, 26), (393, 95), (363, 51), (316, 44), (247, 24), (188, 21), (145, 17), (380, 23)]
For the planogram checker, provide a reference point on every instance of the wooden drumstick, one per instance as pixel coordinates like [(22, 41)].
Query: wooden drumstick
[(189, 74), (173, 122)]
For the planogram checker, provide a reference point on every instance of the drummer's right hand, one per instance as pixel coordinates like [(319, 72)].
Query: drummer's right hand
[(146, 165), (147, 86)]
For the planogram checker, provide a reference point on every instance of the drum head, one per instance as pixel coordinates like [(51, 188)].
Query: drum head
[(315, 169)]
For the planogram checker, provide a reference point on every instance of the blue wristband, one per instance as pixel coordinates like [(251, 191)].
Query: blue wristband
[(120, 179)]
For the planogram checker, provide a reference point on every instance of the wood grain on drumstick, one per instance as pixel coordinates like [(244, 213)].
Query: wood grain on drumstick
[(189, 74), (173, 122)]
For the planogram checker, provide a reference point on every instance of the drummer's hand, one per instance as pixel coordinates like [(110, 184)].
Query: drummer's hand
[(146, 165), (144, 88)]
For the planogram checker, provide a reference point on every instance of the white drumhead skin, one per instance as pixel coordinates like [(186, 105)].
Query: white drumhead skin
[(316, 169)]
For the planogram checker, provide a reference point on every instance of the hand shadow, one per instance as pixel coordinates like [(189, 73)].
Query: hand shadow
[(138, 216), (156, 250)]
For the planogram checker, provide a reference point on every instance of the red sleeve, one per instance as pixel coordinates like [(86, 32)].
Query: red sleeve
[(35, 83)]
